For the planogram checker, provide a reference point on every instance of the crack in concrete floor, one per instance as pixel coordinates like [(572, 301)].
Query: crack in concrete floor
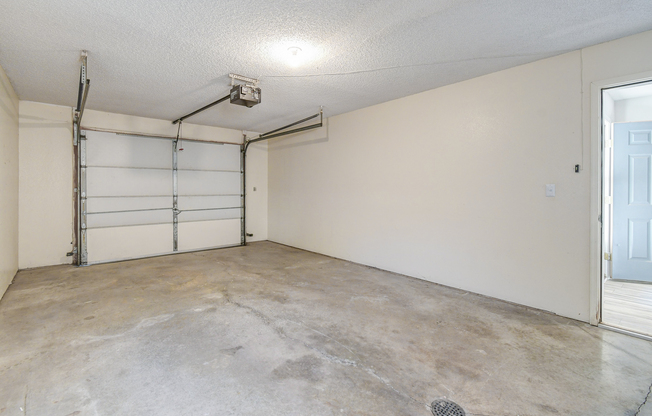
[(647, 396)]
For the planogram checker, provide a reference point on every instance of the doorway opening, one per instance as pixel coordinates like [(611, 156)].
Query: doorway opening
[(626, 290)]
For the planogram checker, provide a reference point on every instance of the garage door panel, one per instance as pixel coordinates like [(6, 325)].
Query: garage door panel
[(209, 156), (128, 182), (118, 243), (208, 183), (118, 219), (213, 214), (129, 196), (205, 234), (110, 149), (205, 202), (107, 204)]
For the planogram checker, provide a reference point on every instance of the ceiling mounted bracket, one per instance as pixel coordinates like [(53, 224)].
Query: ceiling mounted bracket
[(84, 59), (84, 86), (253, 82)]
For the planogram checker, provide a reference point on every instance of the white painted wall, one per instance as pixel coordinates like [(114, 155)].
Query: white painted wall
[(46, 161), (448, 185), (8, 182), (634, 109), (257, 200), (45, 185)]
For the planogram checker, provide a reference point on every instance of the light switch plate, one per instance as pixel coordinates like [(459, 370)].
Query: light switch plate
[(550, 189)]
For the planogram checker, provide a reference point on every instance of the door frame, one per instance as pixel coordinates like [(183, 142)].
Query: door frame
[(596, 203)]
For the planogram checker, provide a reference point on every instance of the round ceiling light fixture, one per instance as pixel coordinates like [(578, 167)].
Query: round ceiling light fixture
[(295, 53), (295, 56), (294, 50)]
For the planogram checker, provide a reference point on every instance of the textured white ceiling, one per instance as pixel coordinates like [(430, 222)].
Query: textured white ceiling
[(163, 59)]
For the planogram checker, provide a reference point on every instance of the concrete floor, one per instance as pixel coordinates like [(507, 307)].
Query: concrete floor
[(271, 330)]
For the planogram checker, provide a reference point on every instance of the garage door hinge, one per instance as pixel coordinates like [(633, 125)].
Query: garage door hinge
[(607, 256)]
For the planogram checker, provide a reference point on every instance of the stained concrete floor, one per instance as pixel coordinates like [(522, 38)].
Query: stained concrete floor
[(270, 330)]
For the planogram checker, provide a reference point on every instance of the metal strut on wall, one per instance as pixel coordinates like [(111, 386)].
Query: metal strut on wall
[(266, 136), (81, 150), (82, 95), (175, 190), (79, 251)]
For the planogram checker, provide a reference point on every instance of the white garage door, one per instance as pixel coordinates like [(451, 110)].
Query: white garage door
[(129, 187)]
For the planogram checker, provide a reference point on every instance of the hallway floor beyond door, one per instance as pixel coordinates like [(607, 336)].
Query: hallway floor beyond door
[(628, 305)]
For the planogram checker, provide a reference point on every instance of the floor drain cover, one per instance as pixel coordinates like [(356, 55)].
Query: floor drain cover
[(443, 407)]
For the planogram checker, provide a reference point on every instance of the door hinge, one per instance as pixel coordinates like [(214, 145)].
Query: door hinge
[(607, 144), (607, 256), (608, 200)]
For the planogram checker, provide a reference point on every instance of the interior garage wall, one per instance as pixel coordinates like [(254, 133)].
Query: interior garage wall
[(45, 184), (8, 182), (46, 155), (449, 185), (257, 189)]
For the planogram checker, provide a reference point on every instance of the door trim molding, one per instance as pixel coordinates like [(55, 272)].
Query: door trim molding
[(595, 287)]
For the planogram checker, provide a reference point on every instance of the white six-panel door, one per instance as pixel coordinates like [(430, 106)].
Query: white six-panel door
[(632, 202)]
